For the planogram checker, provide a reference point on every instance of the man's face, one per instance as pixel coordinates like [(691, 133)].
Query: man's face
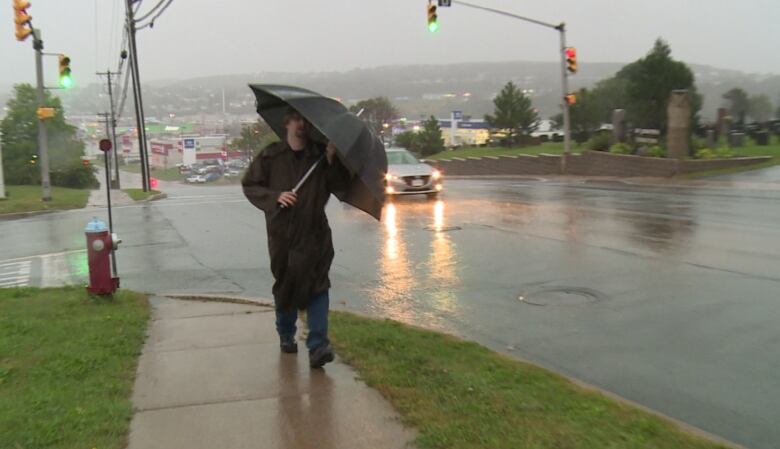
[(296, 126)]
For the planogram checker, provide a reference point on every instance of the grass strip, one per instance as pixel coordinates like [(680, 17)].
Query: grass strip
[(67, 365), (459, 394)]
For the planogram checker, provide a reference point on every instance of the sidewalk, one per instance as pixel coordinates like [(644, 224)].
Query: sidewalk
[(98, 197), (211, 376)]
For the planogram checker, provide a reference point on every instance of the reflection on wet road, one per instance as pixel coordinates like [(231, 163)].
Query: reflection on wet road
[(667, 296), (400, 275)]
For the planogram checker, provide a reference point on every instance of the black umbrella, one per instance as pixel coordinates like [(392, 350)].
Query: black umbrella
[(358, 148)]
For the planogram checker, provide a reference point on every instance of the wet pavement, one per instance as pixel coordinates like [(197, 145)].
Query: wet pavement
[(664, 295), (764, 175)]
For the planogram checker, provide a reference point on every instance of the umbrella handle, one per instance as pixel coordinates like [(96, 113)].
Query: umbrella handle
[(297, 187)]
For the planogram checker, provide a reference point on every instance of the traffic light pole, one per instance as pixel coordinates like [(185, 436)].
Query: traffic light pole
[(43, 138), (566, 117), (561, 28), (139, 105)]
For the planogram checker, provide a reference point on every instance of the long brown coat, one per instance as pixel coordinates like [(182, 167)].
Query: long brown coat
[(299, 238)]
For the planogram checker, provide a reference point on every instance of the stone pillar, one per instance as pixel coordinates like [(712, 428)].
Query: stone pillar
[(719, 126), (618, 126), (679, 125)]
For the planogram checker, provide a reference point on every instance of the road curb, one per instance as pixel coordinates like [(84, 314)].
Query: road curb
[(233, 299), (17, 215)]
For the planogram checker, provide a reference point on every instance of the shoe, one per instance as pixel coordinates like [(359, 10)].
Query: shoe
[(288, 345), (321, 356)]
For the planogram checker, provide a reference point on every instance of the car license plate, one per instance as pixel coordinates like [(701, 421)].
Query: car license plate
[(417, 182)]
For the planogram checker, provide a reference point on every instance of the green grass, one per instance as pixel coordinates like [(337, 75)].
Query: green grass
[(168, 174), (549, 148), (67, 364), (139, 194), (28, 199), (461, 395)]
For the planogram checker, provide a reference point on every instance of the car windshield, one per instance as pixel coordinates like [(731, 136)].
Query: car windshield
[(401, 157)]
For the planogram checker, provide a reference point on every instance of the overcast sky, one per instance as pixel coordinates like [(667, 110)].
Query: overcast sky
[(209, 37)]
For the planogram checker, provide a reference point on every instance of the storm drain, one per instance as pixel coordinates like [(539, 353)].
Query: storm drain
[(560, 296)]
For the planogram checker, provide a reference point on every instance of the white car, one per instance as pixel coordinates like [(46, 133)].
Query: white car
[(196, 179), (408, 176)]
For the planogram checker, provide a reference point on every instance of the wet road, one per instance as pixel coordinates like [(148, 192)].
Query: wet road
[(666, 296)]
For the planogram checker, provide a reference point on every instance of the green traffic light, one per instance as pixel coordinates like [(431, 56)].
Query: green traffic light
[(66, 82), (433, 27)]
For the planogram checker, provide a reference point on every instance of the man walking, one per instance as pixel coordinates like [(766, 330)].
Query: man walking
[(299, 238)]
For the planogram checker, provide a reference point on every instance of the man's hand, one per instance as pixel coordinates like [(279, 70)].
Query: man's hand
[(287, 199), (330, 152)]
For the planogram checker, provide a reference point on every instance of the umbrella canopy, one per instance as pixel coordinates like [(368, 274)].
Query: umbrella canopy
[(358, 148)]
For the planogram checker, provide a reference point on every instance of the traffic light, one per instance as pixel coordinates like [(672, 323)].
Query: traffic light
[(22, 19), (66, 81), (433, 19), (571, 59), (570, 99)]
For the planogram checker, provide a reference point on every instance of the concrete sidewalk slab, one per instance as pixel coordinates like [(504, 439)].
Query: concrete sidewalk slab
[(211, 375)]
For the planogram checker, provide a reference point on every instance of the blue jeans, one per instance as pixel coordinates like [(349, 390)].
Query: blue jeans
[(317, 317)]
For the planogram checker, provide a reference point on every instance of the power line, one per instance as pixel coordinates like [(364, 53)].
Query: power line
[(151, 11), (156, 16)]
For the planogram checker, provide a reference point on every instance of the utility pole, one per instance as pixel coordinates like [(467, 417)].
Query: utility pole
[(108, 74), (43, 138), (139, 105)]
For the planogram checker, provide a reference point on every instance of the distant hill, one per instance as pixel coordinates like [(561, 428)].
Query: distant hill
[(417, 90)]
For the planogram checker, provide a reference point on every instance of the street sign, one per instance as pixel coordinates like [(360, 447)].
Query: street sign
[(105, 145), (457, 115), (189, 143), (445, 2)]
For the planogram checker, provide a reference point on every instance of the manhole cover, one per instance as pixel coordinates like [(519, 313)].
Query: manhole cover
[(442, 228), (560, 296)]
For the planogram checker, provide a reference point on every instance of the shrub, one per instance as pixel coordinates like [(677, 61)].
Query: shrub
[(599, 142), (76, 176), (705, 153), (620, 148), (698, 143), (724, 153), (656, 151)]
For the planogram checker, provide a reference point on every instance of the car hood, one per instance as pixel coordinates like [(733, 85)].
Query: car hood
[(410, 170)]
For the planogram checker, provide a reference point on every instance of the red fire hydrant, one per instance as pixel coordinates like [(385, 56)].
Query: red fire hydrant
[(100, 244)]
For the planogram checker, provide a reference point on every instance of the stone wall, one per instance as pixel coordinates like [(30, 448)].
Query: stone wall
[(590, 163)]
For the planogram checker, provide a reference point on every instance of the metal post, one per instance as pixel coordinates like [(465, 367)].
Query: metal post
[(565, 83), (108, 194), (139, 105), (2, 180), (43, 138)]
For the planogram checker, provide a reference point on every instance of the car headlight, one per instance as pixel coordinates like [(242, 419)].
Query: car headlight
[(389, 177), (436, 174)]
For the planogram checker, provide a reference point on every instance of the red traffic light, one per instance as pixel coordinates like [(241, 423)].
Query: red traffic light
[(104, 145), (571, 59)]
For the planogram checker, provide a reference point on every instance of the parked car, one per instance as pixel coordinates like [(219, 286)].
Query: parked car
[(408, 176), (199, 179), (213, 176)]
